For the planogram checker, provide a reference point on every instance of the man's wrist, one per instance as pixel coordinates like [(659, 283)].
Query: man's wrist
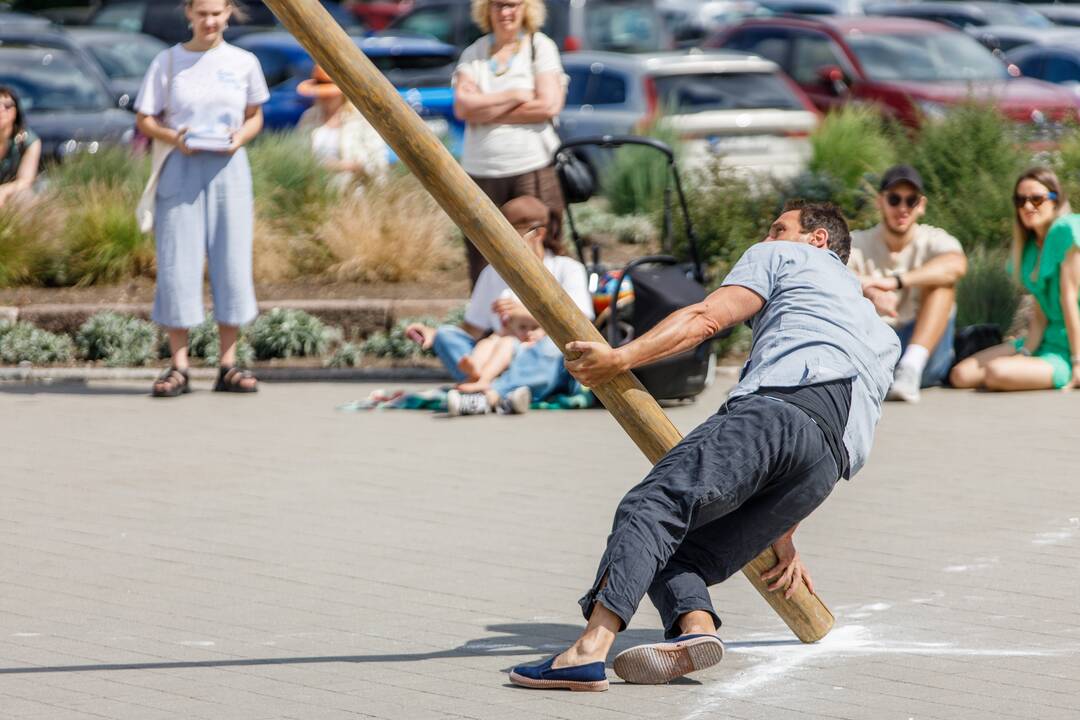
[(897, 276)]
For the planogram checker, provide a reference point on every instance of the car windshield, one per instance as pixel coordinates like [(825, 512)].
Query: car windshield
[(1006, 14), (50, 81), (928, 57), (622, 26), (685, 94), (126, 57)]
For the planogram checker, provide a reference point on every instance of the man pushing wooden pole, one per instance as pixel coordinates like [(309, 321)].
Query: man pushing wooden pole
[(624, 397)]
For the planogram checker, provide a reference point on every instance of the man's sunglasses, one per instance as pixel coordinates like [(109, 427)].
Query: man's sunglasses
[(894, 200), (1036, 200)]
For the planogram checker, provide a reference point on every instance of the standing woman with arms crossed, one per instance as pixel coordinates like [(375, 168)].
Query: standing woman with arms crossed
[(203, 97), (508, 86), (1046, 259)]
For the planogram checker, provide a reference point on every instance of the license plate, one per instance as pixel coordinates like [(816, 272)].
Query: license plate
[(737, 145)]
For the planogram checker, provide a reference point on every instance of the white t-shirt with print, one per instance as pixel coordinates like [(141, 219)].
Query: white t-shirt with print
[(871, 257), (210, 90), (497, 150), (568, 272)]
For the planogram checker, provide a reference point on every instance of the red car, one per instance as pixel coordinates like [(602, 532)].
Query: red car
[(912, 69)]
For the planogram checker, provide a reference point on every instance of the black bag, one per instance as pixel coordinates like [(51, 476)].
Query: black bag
[(575, 176), (973, 338)]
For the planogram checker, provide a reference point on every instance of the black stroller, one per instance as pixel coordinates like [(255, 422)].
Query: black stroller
[(661, 284)]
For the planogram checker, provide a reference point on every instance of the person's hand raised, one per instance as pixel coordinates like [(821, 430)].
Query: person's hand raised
[(421, 334), (596, 363)]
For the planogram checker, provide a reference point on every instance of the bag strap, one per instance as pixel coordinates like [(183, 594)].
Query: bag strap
[(168, 85)]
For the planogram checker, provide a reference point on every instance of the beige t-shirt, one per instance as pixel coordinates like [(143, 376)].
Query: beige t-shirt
[(871, 257)]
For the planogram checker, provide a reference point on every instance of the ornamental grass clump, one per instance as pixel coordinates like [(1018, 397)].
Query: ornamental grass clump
[(22, 342), (634, 181), (345, 356), (102, 239), (987, 293), (30, 248), (117, 340), (285, 333)]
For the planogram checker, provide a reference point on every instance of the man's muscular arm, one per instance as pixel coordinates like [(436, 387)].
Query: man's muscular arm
[(681, 331)]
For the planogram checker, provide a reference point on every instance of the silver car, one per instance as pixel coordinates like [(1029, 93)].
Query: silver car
[(737, 107)]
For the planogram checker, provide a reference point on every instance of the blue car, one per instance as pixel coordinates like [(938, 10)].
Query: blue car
[(420, 68)]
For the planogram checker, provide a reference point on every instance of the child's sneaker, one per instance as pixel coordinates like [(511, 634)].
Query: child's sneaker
[(516, 402), (459, 403)]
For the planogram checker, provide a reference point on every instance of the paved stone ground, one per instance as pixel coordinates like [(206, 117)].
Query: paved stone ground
[(247, 558)]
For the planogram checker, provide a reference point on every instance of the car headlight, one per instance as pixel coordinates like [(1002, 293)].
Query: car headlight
[(932, 111)]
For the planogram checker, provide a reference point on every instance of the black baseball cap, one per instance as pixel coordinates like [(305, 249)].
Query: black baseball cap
[(901, 174)]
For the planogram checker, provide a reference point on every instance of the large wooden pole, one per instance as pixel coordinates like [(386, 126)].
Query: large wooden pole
[(624, 397)]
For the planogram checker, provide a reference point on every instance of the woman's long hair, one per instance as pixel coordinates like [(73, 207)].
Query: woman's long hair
[(1021, 234), (8, 91), (535, 15)]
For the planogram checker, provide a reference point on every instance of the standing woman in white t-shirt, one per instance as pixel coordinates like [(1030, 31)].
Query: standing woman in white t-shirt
[(508, 86), (204, 98)]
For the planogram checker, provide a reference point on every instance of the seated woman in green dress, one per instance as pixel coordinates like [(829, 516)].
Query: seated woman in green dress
[(1046, 259)]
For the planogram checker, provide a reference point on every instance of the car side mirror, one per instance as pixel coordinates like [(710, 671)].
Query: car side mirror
[(831, 77)]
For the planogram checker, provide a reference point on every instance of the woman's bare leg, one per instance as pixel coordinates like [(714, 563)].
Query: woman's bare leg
[(971, 372), (1019, 373)]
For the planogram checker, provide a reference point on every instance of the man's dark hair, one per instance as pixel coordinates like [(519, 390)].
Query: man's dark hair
[(814, 215)]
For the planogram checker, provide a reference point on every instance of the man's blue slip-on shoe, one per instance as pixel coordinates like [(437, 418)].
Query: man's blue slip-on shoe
[(656, 663), (589, 677)]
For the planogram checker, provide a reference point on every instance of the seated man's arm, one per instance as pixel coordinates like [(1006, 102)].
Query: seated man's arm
[(940, 271), (683, 330)]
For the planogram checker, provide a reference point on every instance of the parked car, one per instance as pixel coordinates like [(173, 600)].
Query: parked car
[(55, 37), (962, 15), (377, 14), (164, 19), (736, 106), (1053, 63), (63, 12), (419, 67), (911, 69), (814, 7), (123, 56), (1007, 38), (1059, 13), (616, 25), (24, 21), (691, 21), (69, 107)]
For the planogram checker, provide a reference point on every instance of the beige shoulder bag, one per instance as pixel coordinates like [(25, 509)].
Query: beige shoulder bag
[(159, 151)]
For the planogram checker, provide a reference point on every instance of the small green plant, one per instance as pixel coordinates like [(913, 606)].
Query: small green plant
[(118, 340), (204, 343), (292, 188), (634, 181), (29, 242), (591, 220), (285, 333), (455, 316), (22, 342), (393, 343), (987, 293), (346, 355), (112, 167)]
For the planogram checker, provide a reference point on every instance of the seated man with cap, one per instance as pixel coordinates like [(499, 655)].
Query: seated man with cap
[(536, 370), (909, 271)]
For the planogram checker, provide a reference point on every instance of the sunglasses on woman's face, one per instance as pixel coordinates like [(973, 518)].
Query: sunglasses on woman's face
[(894, 200), (1035, 200)]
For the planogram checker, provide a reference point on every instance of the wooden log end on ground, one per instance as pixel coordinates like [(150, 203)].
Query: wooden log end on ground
[(624, 397)]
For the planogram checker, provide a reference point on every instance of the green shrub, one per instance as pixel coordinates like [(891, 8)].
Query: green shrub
[(455, 316), (22, 342), (393, 343), (729, 215), (118, 340), (204, 343), (852, 146), (969, 161), (346, 355), (29, 242), (591, 220), (291, 187), (112, 167), (634, 181), (102, 238), (285, 333), (1067, 165), (987, 293)]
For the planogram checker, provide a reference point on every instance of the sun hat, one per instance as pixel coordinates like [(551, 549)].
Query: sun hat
[(318, 85)]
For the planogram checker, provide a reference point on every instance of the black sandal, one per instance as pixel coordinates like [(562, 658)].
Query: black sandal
[(230, 379), (171, 383)]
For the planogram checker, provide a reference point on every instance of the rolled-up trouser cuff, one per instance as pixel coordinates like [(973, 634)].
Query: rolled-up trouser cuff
[(675, 593)]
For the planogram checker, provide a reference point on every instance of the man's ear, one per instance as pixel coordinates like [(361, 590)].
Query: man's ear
[(819, 238)]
